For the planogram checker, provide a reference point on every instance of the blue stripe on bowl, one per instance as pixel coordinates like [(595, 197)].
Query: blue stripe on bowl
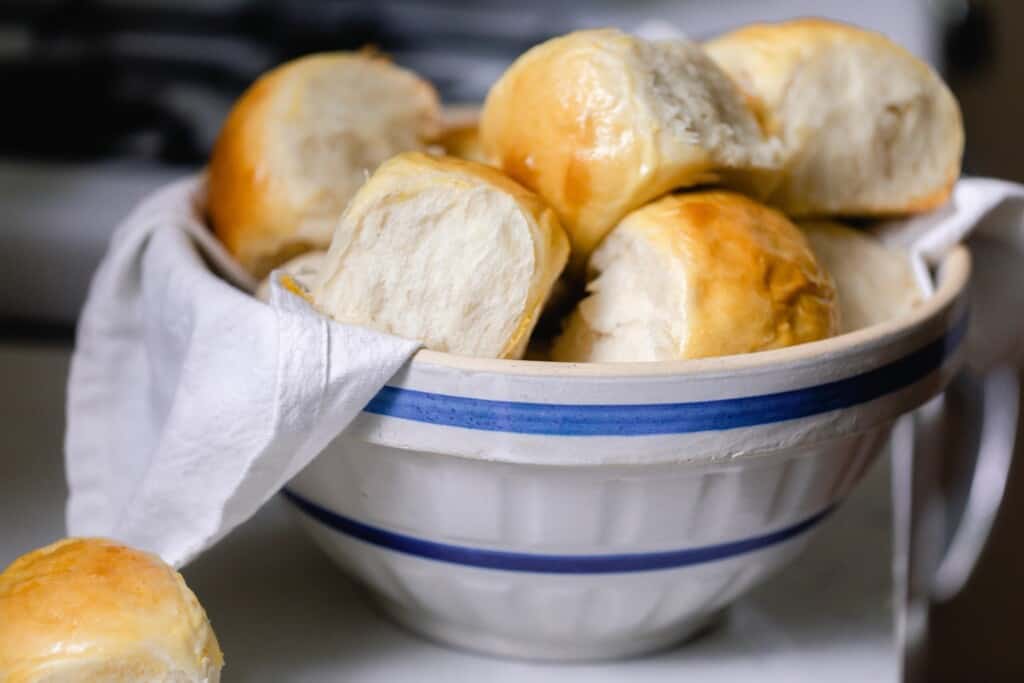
[(664, 418), (548, 564)]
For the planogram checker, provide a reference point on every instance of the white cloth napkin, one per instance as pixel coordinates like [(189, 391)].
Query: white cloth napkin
[(988, 215), (190, 403)]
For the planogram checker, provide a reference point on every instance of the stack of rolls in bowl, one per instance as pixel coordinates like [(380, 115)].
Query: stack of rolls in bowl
[(655, 358)]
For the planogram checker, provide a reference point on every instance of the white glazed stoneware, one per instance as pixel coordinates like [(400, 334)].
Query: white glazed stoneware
[(563, 511)]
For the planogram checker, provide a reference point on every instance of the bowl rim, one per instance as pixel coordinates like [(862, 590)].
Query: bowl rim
[(953, 274)]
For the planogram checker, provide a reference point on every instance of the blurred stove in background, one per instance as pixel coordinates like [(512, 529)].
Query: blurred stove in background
[(104, 100)]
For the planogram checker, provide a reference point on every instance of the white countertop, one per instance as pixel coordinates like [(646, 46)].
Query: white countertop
[(282, 611)]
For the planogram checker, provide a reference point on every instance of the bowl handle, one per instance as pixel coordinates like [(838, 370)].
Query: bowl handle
[(971, 514), (972, 426)]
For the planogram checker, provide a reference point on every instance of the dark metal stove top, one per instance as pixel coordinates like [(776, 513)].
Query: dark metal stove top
[(92, 80)]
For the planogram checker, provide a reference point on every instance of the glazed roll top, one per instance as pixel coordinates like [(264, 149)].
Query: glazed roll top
[(90, 610), (866, 127), (696, 275), (446, 251), (600, 122), (300, 142)]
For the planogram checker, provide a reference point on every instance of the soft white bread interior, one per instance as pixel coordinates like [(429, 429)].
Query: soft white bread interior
[(301, 271), (875, 283), (600, 122), (298, 144), (696, 275), (446, 251), (866, 128), (92, 611)]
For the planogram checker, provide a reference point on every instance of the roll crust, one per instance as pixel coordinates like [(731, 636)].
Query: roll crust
[(696, 275), (460, 135), (92, 610)]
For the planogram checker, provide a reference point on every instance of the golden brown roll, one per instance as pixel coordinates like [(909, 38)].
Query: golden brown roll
[(298, 144), (446, 251), (600, 122), (460, 136), (866, 128), (875, 283), (90, 610), (696, 275)]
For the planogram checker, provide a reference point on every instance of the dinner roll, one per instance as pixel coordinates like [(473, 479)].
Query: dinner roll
[(298, 144), (301, 271), (600, 122), (875, 283), (463, 142), (90, 610), (866, 128), (446, 251), (460, 135), (696, 275)]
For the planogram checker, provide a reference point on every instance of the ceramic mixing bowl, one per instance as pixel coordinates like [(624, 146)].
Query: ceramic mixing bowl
[(573, 511)]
